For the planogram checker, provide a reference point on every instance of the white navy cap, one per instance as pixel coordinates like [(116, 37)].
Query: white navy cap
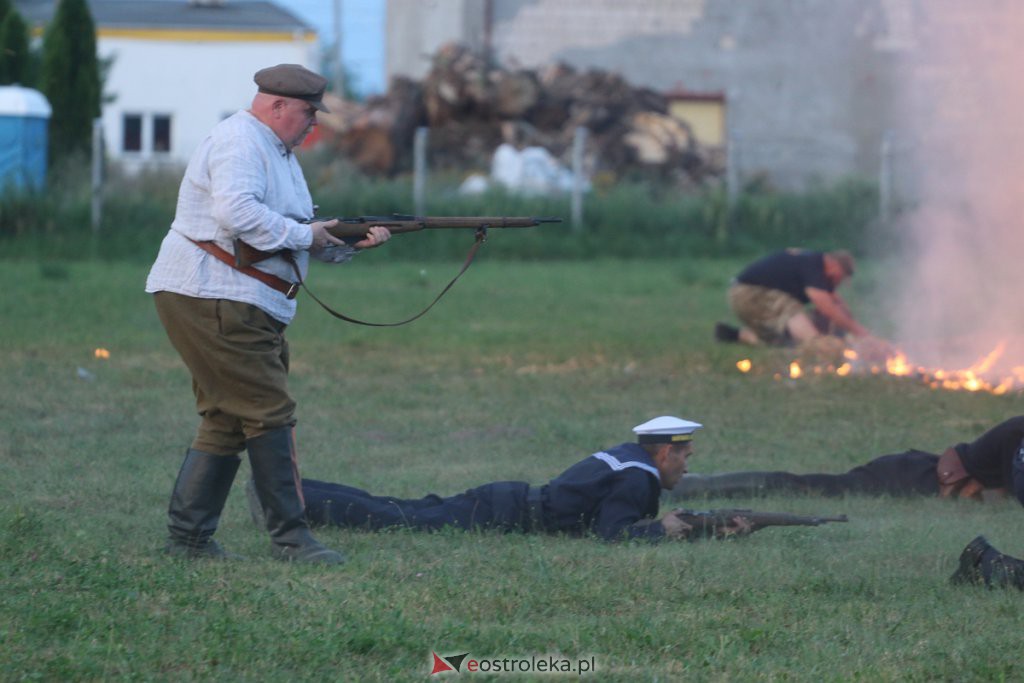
[(666, 429)]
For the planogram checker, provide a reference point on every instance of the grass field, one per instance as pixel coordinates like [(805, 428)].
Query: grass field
[(522, 370)]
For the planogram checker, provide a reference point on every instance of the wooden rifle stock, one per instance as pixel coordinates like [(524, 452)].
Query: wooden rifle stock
[(354, 229)]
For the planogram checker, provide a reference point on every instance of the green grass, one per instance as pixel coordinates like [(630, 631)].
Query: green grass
[(523, 369)]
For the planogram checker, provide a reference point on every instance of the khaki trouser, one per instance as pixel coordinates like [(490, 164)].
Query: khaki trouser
[(238, 358), (765, 311)]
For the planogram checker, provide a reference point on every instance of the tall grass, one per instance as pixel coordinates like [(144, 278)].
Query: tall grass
[(627, 220)]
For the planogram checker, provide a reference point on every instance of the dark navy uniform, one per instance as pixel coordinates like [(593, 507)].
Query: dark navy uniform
[(994, 459), (613, 494)]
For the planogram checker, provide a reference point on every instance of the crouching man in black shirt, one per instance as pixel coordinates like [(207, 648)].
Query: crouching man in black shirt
[(771, 295)]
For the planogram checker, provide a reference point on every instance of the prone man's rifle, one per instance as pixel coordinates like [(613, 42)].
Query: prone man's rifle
[(352, 230), (713, 523)]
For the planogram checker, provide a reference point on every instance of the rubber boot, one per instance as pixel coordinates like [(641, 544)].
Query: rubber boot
[(732, 484), (197, 500), (276, 480), (255, 506)]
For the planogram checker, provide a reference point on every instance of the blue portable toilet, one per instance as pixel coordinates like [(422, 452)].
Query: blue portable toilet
[(24, 117)]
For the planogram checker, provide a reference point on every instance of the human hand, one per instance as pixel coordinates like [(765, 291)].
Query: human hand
[(674, 526), (739, 526), (376, 236), (321, 237), (873, 349)]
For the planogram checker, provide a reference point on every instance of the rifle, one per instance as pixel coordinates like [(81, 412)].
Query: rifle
[(351, 230), (711, 523)]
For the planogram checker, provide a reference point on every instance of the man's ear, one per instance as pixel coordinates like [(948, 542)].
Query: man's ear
[(661, 454)]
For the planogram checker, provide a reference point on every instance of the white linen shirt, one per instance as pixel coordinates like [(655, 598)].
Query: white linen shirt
[(242, 182)]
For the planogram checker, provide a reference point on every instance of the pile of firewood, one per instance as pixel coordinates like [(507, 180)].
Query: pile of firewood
[(471, 107)]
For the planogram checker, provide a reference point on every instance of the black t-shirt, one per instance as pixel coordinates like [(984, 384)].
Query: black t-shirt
[(789, 270), (989, 458)]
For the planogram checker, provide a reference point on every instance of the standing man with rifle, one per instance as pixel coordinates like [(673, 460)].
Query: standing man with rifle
[(228, 322)]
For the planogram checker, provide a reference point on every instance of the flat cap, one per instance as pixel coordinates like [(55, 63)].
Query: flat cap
[(292, 80), (666, 429)]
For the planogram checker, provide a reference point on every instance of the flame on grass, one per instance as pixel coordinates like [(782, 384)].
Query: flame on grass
[(101, 353), (976, 377)]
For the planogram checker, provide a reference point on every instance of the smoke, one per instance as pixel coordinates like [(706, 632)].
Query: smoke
[(962, 131)]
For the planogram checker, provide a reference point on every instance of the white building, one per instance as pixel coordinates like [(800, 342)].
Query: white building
[(180, 66)]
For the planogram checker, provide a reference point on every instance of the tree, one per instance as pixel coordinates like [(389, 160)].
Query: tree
[(15, 58), (71, 78)]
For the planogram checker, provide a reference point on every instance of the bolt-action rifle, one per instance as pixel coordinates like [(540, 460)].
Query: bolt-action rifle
[(351, 230), (714, 523)]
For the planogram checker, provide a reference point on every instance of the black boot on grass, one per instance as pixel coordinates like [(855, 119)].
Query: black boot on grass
[(726, 333), (969, 571), (277, 486), (1002, 571), (197, 500)]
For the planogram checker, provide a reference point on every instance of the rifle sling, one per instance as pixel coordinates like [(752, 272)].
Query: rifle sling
[(290, 289), (481, 235)]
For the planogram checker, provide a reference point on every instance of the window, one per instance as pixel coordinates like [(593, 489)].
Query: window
[(131, 133), (161, 133)]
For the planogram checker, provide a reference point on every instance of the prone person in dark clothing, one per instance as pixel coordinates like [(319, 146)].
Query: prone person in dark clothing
[(987, 467), (770, 297), (614, 493)]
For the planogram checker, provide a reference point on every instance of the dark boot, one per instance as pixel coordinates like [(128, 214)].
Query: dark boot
[(276, 481), (732, 484), (255, 506), (726, 333), (1002, 571), (969, 571), (981, 563), (200, 491)]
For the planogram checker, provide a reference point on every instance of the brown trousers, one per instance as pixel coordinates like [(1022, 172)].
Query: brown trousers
[(238, 358), (765, 311)]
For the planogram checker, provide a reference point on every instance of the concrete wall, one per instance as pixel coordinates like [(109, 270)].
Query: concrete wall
[(415, 30), (808, 83)]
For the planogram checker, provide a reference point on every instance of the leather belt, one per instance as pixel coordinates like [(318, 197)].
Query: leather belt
[(535, 508), (289, 289)]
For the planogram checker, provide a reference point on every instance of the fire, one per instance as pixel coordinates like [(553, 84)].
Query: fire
[(101, 353), (898, 365), (977, 377)]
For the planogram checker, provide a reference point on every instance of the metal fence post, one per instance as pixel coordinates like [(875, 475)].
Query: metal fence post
[(579, 140), (419, 169), (96, 215)]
